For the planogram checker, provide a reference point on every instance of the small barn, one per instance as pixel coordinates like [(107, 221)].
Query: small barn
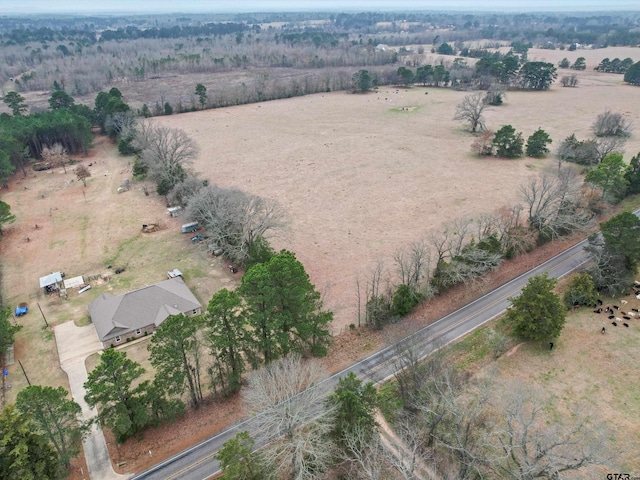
[(51, 282)]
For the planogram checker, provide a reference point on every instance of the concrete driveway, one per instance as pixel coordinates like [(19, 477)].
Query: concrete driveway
[(75, 344)]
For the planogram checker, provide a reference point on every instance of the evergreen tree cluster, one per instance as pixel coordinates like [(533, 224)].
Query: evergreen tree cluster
[(275, 311)]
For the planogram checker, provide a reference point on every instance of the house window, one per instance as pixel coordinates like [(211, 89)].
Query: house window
[(138, 332), (118, 339)]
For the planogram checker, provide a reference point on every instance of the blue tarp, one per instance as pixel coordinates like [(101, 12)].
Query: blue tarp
[(21, 310)]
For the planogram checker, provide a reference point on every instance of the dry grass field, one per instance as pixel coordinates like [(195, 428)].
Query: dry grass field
[(360, 177), (590, 374), (587, 374), (82, 231)]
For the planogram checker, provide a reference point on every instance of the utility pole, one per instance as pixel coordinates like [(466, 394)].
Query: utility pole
[(25, 373), (43, 317)]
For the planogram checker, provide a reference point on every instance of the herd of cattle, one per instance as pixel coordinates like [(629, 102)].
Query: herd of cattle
[(615, 312)]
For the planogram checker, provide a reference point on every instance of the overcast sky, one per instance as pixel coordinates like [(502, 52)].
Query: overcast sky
[(151, 6)]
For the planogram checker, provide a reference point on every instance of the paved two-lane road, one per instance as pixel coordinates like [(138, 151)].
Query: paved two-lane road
[(197, 462)]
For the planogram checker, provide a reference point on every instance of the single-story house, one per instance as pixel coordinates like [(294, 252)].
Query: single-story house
[(133, 314)]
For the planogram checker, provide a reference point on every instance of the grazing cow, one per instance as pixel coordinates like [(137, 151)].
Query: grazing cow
[(550, 345), (602, 331), (626, 325), (599, 302), (635, 310), (611, 317), (626, 318), (616, 307), (632, 314), (614, 324), (599, 310), (623, 302)]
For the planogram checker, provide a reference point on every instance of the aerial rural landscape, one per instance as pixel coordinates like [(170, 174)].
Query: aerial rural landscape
[(285, 243)]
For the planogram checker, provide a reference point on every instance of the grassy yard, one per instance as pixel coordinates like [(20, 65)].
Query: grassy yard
[(586, 372)]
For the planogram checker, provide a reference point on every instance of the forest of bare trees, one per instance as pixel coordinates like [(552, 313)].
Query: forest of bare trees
[(268, 60)]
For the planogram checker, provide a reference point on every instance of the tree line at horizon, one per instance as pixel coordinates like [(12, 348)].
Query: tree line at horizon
[(82, 65)]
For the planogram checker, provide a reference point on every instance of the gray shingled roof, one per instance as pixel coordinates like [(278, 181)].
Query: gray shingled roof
[(115, 315)]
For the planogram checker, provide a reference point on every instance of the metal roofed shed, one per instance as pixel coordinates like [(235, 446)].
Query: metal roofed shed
[(51, 280), (174, 273)]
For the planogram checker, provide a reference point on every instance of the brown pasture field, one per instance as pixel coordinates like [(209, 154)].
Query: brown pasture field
[(590, 374), (360, 177), (587, 374)]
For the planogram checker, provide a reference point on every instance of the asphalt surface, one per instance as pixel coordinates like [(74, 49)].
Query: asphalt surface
[(197, 462)]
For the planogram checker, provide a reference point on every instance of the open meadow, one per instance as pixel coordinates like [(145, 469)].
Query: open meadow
[(363, 176), (588, 374)]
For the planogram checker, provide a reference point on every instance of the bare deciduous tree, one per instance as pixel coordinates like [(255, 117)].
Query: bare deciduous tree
[(610, 124), (470, 110), (457, 231), (515, 237), (406, 452), (234, 220), (292, 417), (411, 373), (436, 396), (554, 203), (530, 447), (606, 145), (465, 419), (608, 268), (184, 190), (413, 266), (365, 455), (120, 123), (377, 297), (167, 152), (483, 144), (569, 80), (495, 94), (56, 155)]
